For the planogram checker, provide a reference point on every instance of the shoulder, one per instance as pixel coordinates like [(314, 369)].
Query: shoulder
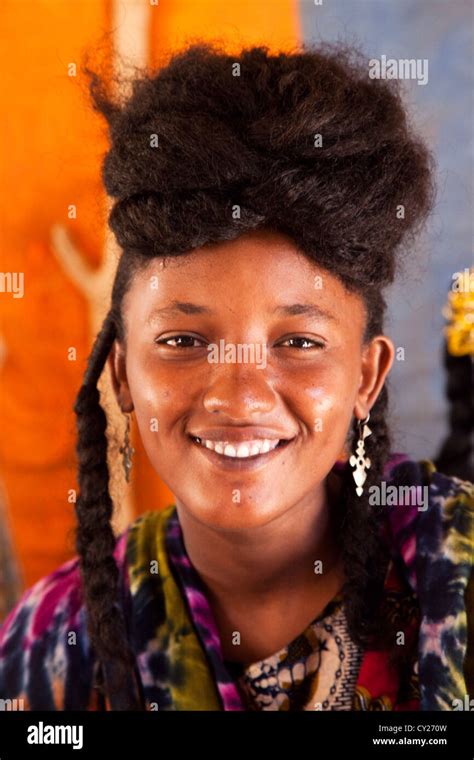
[(46, 662), (429, 514), (438, 506), (38, 640), (433, 534)]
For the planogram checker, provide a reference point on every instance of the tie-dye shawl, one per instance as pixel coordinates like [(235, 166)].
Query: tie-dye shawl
[(46, 660)]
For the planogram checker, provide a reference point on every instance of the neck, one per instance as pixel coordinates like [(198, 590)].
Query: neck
[(267, 562)]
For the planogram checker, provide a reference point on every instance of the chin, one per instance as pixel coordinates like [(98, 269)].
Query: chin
[(238, 516)]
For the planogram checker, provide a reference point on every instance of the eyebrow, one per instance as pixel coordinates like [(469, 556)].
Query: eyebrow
[(307, 309), (291, 310), (178, 307)]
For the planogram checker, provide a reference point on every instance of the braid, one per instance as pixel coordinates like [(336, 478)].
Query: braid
[(364, 560), (95, 540)]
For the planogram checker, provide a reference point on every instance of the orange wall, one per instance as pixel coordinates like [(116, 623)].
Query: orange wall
[(53, 143)]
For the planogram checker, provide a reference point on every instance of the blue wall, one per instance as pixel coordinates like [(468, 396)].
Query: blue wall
[(442, 110)]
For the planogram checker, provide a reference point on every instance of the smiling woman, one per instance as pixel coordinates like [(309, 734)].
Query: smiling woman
[(318, 370), (273, 582)]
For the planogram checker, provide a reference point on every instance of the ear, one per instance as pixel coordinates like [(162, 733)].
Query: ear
[(118, 374), (377, 359)]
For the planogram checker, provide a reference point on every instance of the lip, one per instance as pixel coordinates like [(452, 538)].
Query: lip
[(238, 435), (234, 464)]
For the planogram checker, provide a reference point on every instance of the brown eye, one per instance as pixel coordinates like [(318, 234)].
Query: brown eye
[(182, 341), (301, 339)]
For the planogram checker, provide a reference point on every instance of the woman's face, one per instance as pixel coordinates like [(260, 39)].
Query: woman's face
[(233, 344)]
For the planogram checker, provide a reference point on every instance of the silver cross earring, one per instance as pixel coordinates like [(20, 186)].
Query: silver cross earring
[(359, 460), (127, 451)]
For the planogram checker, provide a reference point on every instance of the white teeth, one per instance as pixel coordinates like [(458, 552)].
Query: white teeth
[(240, 450)]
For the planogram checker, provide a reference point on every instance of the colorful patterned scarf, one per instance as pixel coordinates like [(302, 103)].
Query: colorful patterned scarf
[(47, 662)]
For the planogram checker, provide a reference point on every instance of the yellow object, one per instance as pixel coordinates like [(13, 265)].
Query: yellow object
[(459, 311)]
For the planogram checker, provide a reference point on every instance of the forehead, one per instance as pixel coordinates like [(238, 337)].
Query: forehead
[(253, 274)]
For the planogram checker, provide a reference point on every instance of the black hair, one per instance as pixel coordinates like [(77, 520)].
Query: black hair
[(456, 456)]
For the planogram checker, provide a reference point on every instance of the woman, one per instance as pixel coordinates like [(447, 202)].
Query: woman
[(261, 202)]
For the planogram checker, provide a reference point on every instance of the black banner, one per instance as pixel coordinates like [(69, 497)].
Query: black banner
[(62, 735)]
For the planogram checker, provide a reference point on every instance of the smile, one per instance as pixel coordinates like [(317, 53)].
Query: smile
[(242, 455)]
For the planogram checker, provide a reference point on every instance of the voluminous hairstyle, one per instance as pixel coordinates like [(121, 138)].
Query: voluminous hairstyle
[(304, 143)]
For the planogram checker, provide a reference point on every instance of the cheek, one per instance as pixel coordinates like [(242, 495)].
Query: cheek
[(326, 404), (154, 390), (158, 399), (322, 402)]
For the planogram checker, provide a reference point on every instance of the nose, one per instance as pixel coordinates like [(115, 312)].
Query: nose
[(239, 391)]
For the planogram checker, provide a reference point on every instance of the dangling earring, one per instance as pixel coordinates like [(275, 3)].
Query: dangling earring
[(359, 460), (127, 451)]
